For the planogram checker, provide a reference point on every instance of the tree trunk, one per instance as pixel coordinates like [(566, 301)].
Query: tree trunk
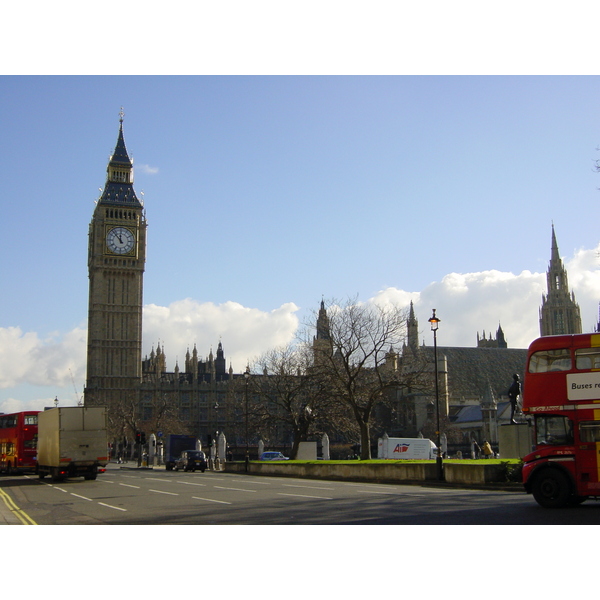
[(365, 441), (295, 446)]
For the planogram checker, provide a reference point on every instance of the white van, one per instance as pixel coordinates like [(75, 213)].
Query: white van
[(406, 448)]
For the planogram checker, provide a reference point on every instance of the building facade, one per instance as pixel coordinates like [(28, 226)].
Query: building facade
[(473, 387)]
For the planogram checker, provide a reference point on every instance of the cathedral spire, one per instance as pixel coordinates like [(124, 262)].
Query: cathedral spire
[(412, 327), (559, 313), (322, 345), (554, 256)]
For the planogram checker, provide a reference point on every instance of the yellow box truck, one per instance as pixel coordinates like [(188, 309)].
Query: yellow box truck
[(72, 442)]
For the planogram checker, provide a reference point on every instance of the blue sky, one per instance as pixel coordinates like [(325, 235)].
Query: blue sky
[(265, 194)]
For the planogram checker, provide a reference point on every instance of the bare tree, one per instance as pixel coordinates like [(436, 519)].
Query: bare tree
[(286, 392), (353, 361)]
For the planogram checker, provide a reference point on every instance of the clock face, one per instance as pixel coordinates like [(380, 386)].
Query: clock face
[(120, 240)]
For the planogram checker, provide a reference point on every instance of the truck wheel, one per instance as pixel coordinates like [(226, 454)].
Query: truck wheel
[(551, 489)]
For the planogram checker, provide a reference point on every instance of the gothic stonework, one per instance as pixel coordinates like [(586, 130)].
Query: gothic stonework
[(559, 313), (116, 262)]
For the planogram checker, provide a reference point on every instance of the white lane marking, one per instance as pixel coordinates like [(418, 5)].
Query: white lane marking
[(161, 492), (83, 497), (307, 487), (375, 492), (156, 479), (190, 483), (110, 506), (137, 487), (255, 482), (209, 500), (304, 496), (218, 487), (105, 480)]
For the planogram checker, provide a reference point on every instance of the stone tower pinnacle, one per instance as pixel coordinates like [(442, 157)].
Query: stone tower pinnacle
[(559, 313)]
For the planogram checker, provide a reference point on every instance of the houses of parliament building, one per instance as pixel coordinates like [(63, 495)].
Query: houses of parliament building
[(207, 396)]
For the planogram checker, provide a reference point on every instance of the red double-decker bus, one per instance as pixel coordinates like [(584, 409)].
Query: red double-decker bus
[(18, 441), (561, 390)]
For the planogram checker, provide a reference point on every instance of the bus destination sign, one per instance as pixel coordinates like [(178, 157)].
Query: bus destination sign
[(583, 386)]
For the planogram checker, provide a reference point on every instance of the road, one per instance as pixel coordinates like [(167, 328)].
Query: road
[(153, 497)]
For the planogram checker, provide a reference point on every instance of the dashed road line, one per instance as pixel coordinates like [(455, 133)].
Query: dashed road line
[(161, 492), (218, 487), (307, 487), (304, 496), (376, 492), (190, 483), (82, 497), (209, 500), (110, 506)]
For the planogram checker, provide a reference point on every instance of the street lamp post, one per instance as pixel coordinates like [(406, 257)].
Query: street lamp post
[(435, 322), (247, 378)]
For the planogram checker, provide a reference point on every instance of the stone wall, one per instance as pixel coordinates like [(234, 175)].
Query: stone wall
[(456, 473)]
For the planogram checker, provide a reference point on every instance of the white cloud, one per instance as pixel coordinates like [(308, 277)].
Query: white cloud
[(244, 332), (147, 169), (12, 405), (474, 302), (470, 303), (25, 358), (466, 303)]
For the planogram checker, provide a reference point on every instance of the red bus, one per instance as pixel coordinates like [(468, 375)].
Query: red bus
[(18, 441), (561, 390)]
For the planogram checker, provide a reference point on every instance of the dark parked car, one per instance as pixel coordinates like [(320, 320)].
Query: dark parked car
[(190, 460)]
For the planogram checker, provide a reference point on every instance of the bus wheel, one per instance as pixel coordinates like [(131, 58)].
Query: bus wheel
[(551, 489)]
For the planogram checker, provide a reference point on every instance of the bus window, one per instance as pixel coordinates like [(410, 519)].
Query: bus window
[(553, 430), (589, 431), (31, 420), (30, 444), (587, 359), (550, 360)]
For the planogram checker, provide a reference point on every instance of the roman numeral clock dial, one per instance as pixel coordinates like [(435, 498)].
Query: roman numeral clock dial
[(120, 240)]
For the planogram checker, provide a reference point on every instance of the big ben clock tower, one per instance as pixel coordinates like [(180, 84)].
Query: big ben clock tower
[(116, 260)]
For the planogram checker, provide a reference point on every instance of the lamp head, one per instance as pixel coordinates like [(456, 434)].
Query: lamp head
[(434, 322)]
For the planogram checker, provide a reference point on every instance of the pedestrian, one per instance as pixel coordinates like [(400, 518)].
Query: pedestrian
[(475, 450), (487, 449), (513, 395)]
